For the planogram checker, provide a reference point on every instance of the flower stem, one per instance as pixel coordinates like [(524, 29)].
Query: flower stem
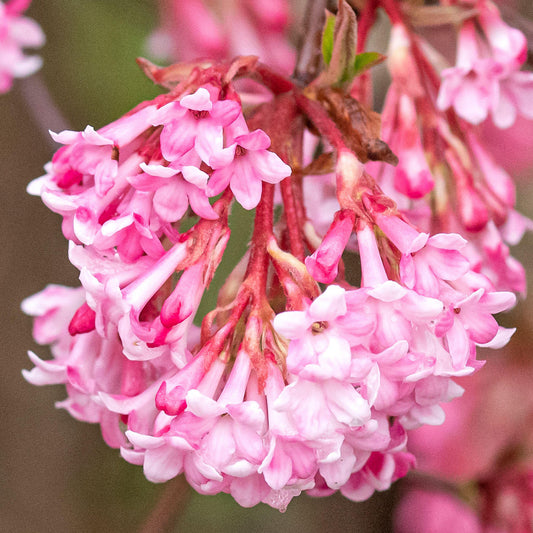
[(365, 22), (294, 224), (256, 277), (321, 120)]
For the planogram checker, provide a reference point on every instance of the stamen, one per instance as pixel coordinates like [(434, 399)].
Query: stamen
[(319, 327)]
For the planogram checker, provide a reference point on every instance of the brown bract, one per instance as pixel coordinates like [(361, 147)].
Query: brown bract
[(360, 126)]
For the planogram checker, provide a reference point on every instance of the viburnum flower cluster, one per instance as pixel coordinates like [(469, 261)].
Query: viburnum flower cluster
[(17, 32), (364, 293)]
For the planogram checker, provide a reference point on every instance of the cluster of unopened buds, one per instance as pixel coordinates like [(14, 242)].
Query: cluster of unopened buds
[(371, 276)]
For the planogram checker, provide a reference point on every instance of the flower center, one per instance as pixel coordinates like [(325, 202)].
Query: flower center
[(318, 327), (200, 114)]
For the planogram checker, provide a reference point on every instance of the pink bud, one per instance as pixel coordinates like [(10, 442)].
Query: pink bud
[(472, 210), (182, 301), (323, 265), (83, 320)]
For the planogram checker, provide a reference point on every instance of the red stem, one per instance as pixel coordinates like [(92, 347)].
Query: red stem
[(269, 78), (292, 219), (256, 276), (393, 11), (364, 24)]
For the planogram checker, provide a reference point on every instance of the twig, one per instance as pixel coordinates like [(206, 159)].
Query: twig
[(309, 49)]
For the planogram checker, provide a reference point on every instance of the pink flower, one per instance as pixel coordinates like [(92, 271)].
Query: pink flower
[(493, 459), (244, 165), (286, 385), (86, 363), (426, 261), (174, 190), (486, 78), (114, 188), (197, 120), (320, 347), (17, 32), (510, 150), (424, 511), (323, 264), (481, 421), (412, 176)]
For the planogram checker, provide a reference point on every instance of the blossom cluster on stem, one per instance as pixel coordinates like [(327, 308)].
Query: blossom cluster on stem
[(337, 331)]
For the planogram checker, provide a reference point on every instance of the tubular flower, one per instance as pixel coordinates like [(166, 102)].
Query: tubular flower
[(286, 385)]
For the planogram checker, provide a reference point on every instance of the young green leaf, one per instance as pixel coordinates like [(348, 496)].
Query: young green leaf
[(327, 37), (365, 61)]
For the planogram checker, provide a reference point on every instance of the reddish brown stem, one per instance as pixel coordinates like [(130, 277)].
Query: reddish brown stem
[(256, 276), (292, 219), (272, 80)]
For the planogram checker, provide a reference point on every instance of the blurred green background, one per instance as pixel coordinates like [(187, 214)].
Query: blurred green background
[(57, 473)]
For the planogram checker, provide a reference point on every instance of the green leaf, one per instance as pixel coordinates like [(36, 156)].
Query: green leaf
[(339, 49), (365, 61), (327, 37)]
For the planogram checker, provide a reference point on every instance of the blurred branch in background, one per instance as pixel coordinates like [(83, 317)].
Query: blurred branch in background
[(169, 508), (44, 111)]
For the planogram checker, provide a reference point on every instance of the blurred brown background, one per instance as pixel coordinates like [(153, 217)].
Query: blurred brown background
[(57, 474)]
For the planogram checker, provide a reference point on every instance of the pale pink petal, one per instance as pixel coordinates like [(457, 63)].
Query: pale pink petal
[(198, 101)]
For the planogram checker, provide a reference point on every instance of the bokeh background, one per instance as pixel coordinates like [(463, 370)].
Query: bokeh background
[(56, 474)]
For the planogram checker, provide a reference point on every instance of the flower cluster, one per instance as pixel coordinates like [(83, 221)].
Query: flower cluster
[(486, 78), (17, 32), (488, 477), (446, 178), (226, 30), (287, 385)]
